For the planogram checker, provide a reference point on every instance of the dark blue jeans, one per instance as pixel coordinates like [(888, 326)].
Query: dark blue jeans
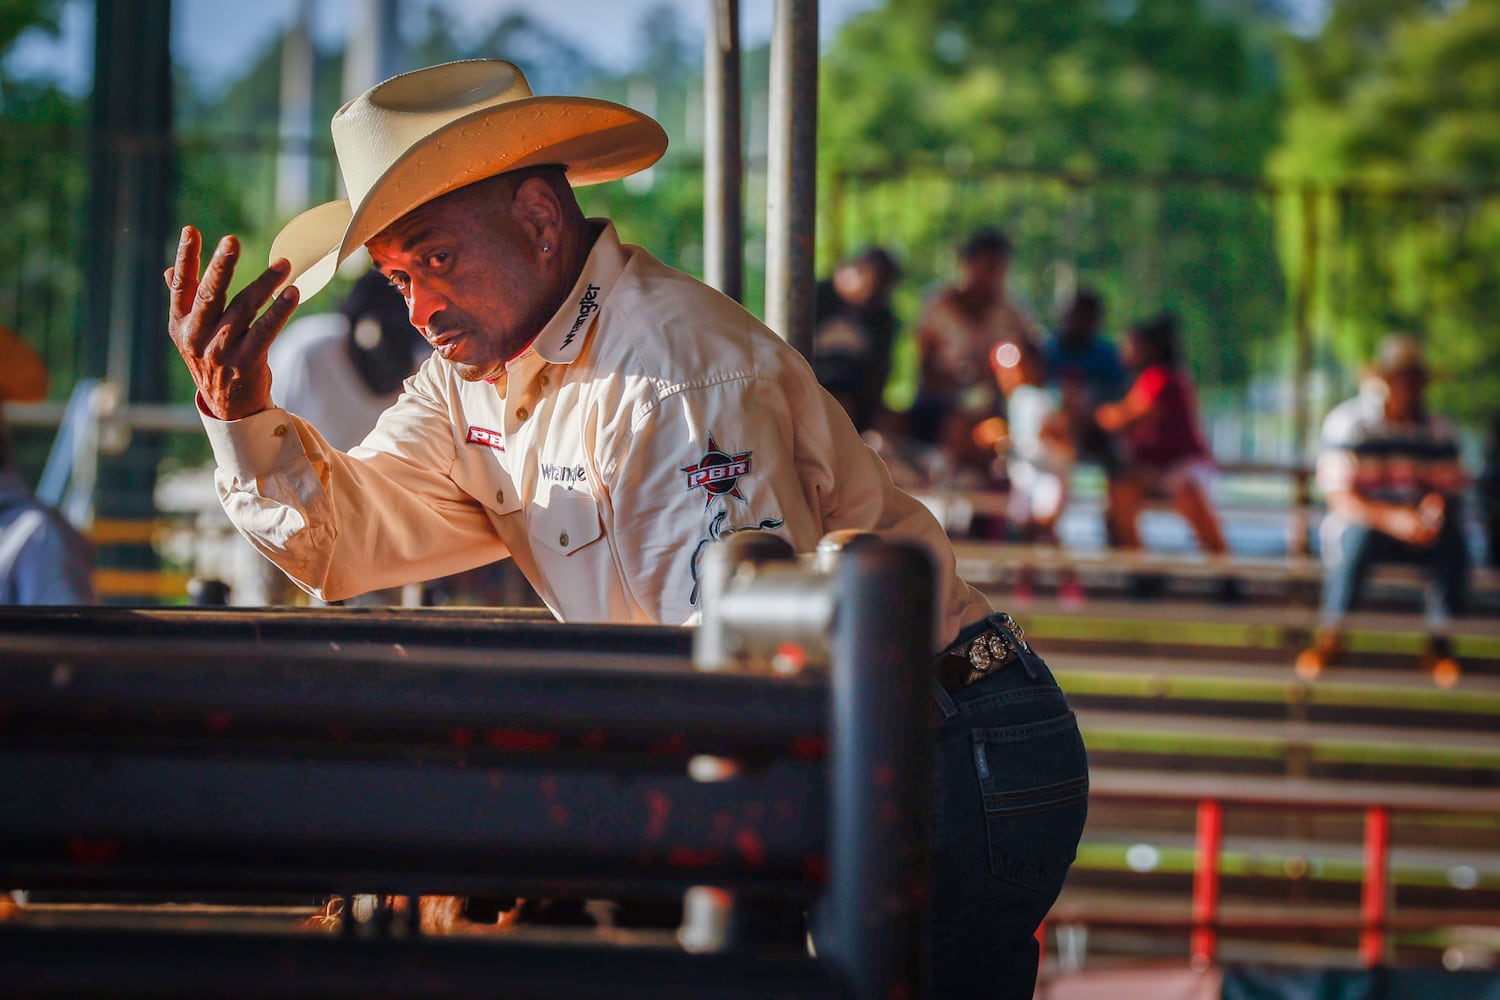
[(1349, 553), (1011, 799)]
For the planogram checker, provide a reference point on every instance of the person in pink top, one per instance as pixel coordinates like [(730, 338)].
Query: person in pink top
[(1166, 454)]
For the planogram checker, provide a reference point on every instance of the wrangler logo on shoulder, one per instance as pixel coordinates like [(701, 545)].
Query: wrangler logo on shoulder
[(718, 472), (480, 435)]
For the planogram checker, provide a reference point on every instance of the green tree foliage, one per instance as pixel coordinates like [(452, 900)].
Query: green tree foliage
[(1088, 87), (1119, 143), (1394, 114), (42, 183)]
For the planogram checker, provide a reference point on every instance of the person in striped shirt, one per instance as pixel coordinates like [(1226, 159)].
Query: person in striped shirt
[(1390, 471)]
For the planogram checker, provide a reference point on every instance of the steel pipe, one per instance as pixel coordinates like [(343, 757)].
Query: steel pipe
[(791, 172), (723, 159)]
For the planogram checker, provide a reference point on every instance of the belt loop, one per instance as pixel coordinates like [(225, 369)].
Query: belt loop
[(1010, 633), (945, 701), (1029, 662)]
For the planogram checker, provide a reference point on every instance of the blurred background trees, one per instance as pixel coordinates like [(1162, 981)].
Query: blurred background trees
[(1394, 107), (1260, 166)]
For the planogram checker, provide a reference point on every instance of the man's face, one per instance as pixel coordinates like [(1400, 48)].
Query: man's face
[(471, 283), (1079, 322), (985, 271), (855, 283), (1404, 395)]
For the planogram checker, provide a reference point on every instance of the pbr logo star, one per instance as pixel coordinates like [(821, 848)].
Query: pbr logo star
[(718, 472)]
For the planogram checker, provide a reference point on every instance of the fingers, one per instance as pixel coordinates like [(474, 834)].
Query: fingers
[(182, 276), (264, 330), (252, 298), (214, 288)]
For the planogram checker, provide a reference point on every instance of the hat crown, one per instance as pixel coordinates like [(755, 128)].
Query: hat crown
[(374, 130)]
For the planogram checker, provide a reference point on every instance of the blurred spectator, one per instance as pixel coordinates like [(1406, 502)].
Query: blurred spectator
[(1086, 370), (1039, 456), (855, 327), (43, 560), (342, 370), (954, 338), (1391, 474), (1078, 355), (1164, 448)]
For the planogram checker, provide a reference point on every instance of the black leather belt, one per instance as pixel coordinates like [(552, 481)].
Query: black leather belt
[(996, 648)]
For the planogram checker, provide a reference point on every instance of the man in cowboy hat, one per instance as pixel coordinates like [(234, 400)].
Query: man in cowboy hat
[(1390, 470), (595, 416)]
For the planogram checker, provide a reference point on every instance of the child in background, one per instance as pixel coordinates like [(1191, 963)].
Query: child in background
[(1166, 454), (1040, 456)]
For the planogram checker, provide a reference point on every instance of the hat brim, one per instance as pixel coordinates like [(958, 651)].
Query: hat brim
[(597, 141)]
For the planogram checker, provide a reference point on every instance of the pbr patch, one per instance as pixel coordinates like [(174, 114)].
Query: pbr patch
[(481, 435), (718, 473)]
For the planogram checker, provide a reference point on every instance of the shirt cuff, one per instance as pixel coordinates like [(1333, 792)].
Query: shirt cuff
[(253, 445)]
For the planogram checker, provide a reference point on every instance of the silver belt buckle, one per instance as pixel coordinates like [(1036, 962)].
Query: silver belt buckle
[(989, 652)]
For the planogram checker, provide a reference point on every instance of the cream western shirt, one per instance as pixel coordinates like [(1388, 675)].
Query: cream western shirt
[(650, 417)]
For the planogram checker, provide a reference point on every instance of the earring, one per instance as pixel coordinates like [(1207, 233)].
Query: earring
[(546, 248)]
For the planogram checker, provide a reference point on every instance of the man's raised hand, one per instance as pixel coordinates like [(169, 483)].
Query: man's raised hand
[(224, 346)]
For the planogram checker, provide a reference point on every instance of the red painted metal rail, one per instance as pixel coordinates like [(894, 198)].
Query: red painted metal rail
[(1210, 796)]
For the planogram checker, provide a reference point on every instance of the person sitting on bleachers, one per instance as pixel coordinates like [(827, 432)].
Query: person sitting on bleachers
[(1391, 474), (1039, 457), (1158, 423), (1085, 368), (955, 335), (854, 329)]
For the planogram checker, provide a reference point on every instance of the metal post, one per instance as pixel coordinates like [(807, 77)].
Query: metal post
[(294, 161), (1206, 882), (1374, 894), (1307, 277), (723, 163), (870, 930), (791, 172), (131, 180), (372, 52)]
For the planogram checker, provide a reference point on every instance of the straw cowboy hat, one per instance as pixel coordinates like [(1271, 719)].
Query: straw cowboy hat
[(422, 134)]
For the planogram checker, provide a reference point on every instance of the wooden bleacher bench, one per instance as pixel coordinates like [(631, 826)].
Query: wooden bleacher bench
[(994, 563), (1289, 497)]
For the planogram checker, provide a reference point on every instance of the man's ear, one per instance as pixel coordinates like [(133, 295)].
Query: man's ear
[(536, 212)]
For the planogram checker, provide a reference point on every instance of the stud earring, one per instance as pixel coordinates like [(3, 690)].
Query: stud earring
[(546, 248)]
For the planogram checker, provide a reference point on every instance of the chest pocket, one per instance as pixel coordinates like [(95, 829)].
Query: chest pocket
[(564, 521), (480, 473)]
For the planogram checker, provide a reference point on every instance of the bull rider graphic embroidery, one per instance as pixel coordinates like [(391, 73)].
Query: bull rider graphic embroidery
[(716, 531)]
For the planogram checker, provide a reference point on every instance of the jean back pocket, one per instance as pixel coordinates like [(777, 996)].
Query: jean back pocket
[(1034, 781)]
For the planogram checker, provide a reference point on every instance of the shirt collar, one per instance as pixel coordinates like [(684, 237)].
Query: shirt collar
[(562, 339)]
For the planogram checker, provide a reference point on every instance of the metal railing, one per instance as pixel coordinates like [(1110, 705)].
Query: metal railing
[(1206, 922)]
